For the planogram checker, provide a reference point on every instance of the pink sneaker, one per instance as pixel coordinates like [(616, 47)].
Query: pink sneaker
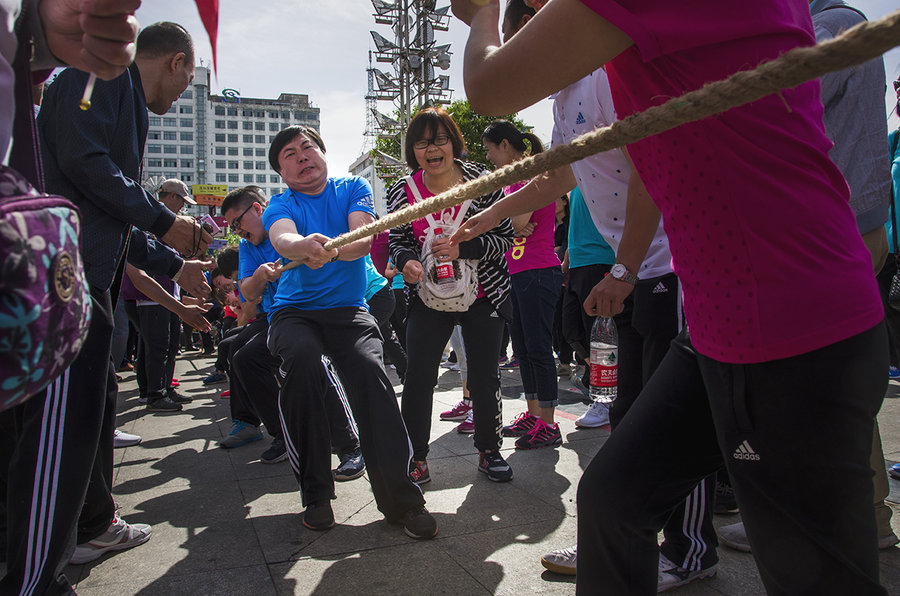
[(521, 426), (467, 426), (541, 435), (458, 412)]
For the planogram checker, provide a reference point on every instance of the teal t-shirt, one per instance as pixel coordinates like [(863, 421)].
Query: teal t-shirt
[(586, 245), (894, 143), (374, 280), (334, 285)]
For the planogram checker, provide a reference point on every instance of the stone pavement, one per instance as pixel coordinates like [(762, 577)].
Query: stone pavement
[(224, 523)]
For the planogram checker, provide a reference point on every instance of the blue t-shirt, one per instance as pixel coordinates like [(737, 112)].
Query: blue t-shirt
[(374, 280), (338, 284), (250, 257), (894, 143), (586, 245)]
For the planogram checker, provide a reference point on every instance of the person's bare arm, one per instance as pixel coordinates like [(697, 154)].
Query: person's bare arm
[(358, 248), (308, 250), (254, 286), (571, 40)]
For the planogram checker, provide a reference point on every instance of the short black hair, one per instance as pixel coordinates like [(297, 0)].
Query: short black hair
[(515, 10), (241, 198), (289, 134), (164, 39), (227, 261), (427, 121)]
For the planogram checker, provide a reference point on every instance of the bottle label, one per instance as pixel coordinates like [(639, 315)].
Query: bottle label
[(604, 367), (444, 271)]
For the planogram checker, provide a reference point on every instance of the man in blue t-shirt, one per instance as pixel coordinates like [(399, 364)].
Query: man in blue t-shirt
[(254, 391), (319, 308)]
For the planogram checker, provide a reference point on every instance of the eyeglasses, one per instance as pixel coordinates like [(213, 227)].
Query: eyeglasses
[(437, 141), (236, 224)]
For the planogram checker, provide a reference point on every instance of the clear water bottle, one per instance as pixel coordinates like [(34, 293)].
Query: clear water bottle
[(444, 271), (604, 360)]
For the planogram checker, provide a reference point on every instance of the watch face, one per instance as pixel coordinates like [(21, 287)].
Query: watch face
[(618, 271)]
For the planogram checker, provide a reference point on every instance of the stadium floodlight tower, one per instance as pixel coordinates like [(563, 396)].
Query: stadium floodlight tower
[(414, 55)]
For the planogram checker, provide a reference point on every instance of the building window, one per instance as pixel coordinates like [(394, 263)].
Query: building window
[(248, 165), (170, 163), (274, 127), (187, 163), (260, 178), (300, 115), (220, 164), (247, 125), (273, 114), (233, 178), (186, 136), (232, 165), (153, 136), (246, 113), (220, 111), (260, 138), (169, 135), (171, 109), (248, 138), (221, 178), (170, 149), (186, 150), (259, 114), (151, 174), (154, 163), (285, 115), (260, 152), (186, 110), (220, 150), (274, 179), (155, 121), (260, 165), (232, 111), (232, 151), (188, 94), (271, 139), (220, 137), (185, 177), (220, 124), (170, 122), (232, 138), (248, 178), (232, 125), (248, 151), (259, 125), (187, 122)]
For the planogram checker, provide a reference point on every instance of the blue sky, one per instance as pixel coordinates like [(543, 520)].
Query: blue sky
[(320, 48)]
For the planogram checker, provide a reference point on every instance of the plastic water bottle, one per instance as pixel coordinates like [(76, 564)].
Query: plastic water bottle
[(604, 360), (444, 271)]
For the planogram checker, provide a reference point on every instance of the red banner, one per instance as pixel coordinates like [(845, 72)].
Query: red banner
[(209, 14)]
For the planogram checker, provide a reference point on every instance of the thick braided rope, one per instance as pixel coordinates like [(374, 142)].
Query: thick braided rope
[(860, 44)]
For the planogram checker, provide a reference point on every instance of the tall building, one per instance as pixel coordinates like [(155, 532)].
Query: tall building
[(222, 139)]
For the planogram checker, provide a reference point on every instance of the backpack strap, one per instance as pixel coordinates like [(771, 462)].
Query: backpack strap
[(25, 157), (417, 196)]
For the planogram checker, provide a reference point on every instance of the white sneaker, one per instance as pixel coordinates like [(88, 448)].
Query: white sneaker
[(119, 536), (122, 439), (597, 415), (562, 561), (671, 575)]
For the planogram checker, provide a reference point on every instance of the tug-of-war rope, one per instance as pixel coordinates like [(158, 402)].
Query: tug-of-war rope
[(860, 44)]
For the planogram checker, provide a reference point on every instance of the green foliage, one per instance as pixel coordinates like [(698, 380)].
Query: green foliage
[(470, 123)]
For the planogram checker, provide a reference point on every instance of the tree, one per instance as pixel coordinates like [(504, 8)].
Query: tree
[(471, 124)]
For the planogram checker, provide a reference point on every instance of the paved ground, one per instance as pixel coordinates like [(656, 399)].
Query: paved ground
[(224, 523)]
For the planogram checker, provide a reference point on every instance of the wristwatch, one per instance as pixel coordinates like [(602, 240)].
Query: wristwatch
[(620, 272)]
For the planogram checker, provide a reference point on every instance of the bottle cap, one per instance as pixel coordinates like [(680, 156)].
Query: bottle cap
[(438, 231)]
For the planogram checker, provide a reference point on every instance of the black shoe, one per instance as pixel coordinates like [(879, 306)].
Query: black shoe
[(725, 501), (275, 453), (418, 524), (352, 466), (163, 404), (179, 398), (496, 468), (318, 516)]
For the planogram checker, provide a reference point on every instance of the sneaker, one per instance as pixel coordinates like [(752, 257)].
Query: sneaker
[(129, 367), (734, 536), (225, 394), (163, 404), (142, 399), (216, 377), (241, 434), (318, 516), (121, 439), (596, 416), (725, 501), (521, 426), (179, 398), (562, 561), (496, 468), (119, 536), (563, 369), (542, 435), (578, 383), (418, 471), (893, 372), (457, 413), (467, 426), (510, 363), (275, 453), (352, 466), (894, 472), (502, 360), (671, 576), (419, 524)]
